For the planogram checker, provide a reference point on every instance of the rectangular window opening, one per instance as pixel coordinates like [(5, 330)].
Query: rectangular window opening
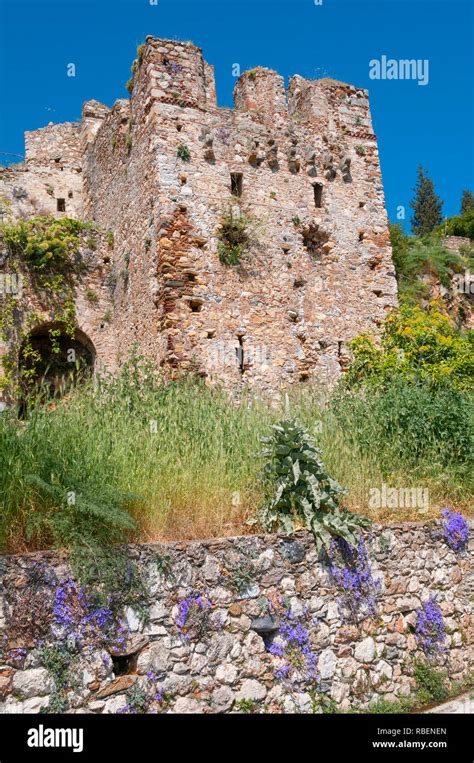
[(236, 181), (61, 205), (318, 194)]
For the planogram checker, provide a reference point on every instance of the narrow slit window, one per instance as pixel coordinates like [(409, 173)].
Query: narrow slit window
[(236, 181), (318, 194), (61, 205), (239, 351)]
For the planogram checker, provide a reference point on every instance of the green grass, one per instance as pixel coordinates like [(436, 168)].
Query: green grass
[(183, 461)]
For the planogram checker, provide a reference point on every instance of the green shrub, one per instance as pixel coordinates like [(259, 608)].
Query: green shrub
[(418, 346), (417, 257), (431, 682), (460, 225), (234, 238), (183, 153), (302, 493), (44, 244), (92, 297)]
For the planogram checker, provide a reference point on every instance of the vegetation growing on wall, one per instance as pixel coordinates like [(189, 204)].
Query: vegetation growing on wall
[(234, 238), (418, 259), (45, 251)]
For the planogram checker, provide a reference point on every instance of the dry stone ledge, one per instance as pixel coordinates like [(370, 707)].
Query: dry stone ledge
[(227, 666)]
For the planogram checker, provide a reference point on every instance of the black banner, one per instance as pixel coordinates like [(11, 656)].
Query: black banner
[(132, 737)]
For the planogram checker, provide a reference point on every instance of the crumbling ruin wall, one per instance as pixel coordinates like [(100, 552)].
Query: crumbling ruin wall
[(160, 173), (319, 270)]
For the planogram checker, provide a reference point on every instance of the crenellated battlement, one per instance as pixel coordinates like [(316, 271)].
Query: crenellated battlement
[(162, 170)]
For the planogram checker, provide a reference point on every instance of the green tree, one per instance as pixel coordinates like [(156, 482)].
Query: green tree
[(426, 205), (467, 202)]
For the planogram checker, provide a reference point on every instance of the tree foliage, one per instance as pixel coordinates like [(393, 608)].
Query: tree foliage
[(426, 205)]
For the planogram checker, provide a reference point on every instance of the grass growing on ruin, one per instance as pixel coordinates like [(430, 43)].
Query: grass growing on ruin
[(183, 462)]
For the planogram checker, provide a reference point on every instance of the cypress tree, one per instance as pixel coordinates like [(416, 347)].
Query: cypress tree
[(467, 202), (426, 206)]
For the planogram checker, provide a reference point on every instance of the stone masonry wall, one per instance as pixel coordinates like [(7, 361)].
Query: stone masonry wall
[(227, 662), (156, 172), (315, 275)]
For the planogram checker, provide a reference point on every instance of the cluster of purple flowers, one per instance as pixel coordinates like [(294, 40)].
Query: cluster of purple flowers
[(456, 530), (83, 622), (354, 578), (17, 656), (430, 629), (158, 695), (193, 615), (299, 670)]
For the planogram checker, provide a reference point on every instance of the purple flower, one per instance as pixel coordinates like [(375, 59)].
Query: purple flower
[(354, 578), (430, 629), (293, 646), (456, 530), (81, 621), (193, 611)]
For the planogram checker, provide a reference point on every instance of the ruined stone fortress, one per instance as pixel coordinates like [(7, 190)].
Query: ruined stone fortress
[(157, 174)]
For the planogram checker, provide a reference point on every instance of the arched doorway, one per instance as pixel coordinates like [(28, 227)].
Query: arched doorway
[(51, 360)]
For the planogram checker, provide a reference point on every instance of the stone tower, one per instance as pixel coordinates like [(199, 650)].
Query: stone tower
[(160, 172)]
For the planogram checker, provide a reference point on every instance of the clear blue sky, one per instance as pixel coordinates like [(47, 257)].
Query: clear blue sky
[(432, 125)]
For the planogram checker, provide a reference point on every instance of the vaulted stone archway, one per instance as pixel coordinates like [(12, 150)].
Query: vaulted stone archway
[(50, 359)]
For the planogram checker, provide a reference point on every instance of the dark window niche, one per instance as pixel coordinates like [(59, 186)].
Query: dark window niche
[(61, 205), (318, 194), (236, 183)]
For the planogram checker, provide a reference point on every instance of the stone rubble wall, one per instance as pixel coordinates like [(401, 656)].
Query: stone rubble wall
[(357, 663), (315, 276), (293, 305)]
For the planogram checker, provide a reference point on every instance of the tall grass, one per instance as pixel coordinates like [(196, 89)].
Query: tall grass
[(182, 460)]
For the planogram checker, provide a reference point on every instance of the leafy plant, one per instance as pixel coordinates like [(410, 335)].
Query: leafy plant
[(360, 150), (183, 153), (246, 706), (417, 346), (234, 238), (431, 682), (300, 490)]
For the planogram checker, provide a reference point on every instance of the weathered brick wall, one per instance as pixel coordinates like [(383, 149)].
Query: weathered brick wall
[(229, 660)]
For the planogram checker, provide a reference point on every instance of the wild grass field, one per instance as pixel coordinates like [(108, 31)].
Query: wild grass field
[(146, 459)]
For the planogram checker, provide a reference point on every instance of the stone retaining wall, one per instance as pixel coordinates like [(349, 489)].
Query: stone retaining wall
[(227, 666)]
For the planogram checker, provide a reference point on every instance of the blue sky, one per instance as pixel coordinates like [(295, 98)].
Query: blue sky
[(431, 125)]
